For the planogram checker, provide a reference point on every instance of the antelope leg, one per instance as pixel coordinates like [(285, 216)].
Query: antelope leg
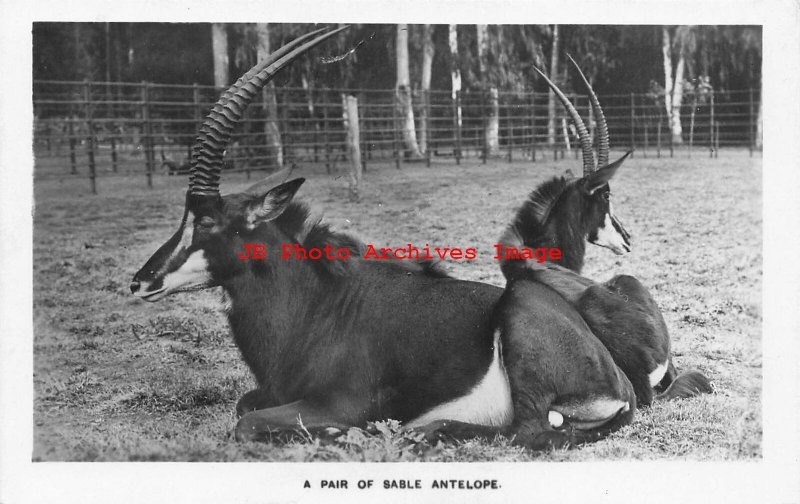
[(287, 419), (541, 438), (254, 400)]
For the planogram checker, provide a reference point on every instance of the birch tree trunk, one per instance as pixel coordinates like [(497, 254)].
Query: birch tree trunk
[(455, 73), (403, 94), (312, 113), (673, 88), (677, 101), (493, 121), (351, 127), (219, 46), (272, 132), (425, 84), (551, 97)]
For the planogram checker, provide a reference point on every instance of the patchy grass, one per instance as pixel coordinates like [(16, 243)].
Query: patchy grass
[(119, 379)]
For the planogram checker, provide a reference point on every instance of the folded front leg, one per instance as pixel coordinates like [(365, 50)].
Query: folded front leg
[(288, 419)]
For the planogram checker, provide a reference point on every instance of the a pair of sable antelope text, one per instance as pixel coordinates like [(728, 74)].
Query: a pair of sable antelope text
[(553, 359)]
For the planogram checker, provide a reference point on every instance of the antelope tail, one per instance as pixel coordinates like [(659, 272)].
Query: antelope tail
[(687, 384)]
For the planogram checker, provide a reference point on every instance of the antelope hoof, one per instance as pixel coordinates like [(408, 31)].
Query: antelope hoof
[(248, 429), (248, 402), (433, 431)]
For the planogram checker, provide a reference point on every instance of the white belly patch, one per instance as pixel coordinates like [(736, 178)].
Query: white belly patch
[(488, 403), (657, 374)]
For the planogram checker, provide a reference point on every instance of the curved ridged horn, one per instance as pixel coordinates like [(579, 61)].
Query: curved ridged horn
[(215, 133), (583, 133), (602, 127)]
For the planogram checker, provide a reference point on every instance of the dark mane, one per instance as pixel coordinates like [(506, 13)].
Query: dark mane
[(531, 219), (545, 220), (296, 222)]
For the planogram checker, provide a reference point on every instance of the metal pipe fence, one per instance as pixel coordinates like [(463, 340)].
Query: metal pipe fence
[(98, 129)]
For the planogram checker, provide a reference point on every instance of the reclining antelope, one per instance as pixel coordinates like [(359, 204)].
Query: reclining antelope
[(620, 312), (340, 343)]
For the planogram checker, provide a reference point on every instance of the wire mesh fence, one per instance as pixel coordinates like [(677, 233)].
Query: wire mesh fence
[(98, 129)]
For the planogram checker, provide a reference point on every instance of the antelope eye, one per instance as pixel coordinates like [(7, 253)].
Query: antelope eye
[(607, 195)]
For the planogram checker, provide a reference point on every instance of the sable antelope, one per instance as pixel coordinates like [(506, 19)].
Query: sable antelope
[(340, 343), (563, 212)]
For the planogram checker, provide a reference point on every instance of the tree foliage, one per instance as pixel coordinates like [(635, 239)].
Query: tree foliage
[(617, 59)]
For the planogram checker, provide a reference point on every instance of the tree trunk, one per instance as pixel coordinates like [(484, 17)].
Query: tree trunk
[(219, 46), (551, 97), (677, 101), (425, 84), (350, 116), (455, 73), (403, 93), (760, 117), (493, 121), (312, 112), (673, 88), (272, 131)]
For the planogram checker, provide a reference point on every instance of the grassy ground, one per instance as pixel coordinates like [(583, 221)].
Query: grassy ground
[(119, 379)]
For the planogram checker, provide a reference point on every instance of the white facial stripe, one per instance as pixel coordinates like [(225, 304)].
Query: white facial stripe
[(188, 231), (192, 273), (488, 403), (183, 244), (608, 236)]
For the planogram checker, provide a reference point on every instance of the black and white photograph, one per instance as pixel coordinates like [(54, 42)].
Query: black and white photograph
[(514, 259)]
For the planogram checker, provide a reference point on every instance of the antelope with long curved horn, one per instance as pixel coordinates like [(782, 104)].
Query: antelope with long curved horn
[(336, 343), (562, 213)]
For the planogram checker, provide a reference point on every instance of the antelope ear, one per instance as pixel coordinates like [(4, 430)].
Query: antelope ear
[(260, 188), (603, 175), (272, 204)]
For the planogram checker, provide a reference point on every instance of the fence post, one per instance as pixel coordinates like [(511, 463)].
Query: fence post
[(691, 124), (147, 137), (315, 121), (87, 103), (669, 135), (395, 134), (72, 160), (114, 150), (111, 111), (364, 145), (533, 126), (646, 139), (658, 138), (325, 104), (485, 127), (633, 118), (509, 130), (750, 125), (350, 115), (427, 105), (711, 128), (284, 126), (457, 126), (716, 140)]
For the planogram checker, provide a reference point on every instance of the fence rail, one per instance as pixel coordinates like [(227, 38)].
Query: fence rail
[(96, 129)]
